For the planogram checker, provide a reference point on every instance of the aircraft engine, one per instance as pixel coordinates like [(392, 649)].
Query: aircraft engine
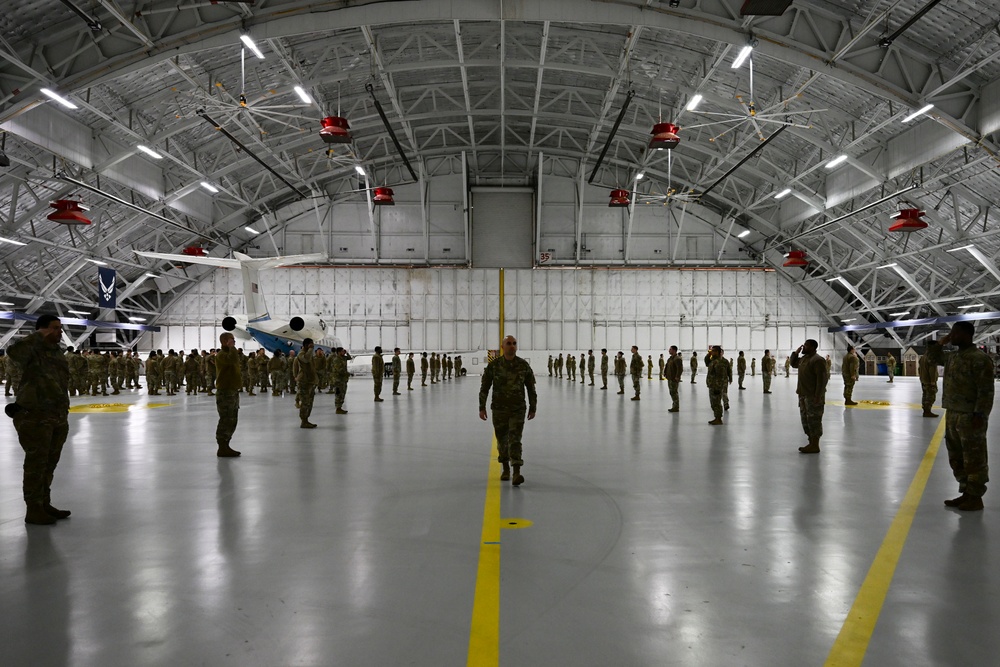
[(308, 326)]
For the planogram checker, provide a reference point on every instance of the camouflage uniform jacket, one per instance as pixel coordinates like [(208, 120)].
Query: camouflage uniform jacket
[(674, 368), (191, 365), (44, 375), (694, 362), (741, 365), (968, 379), (152, 366), (274, 365), (590, 363), (927, 371), (812, 375), (729, 369), (423, 364), (338, 369), (849, 366), (509, 380), (94, 363), (320, 363), (228, 366), (767, 365), (604, 363), (397, 365), (620, 367), (411, 367), (718, 373), (378, 366), (306, 364), (637, 365)]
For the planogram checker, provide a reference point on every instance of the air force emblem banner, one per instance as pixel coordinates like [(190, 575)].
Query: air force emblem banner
[(107, 279)]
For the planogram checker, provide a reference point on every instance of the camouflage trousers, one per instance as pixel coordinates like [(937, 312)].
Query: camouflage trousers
[(967, 452), (210, 381), (674, 386), (340, 389), (849, 390), (591, 373), (98, 382), (170, 381), (227, 402), (742, 375), (42, 436), (409, 380), (767, 382), (725, 396), (604, 378), (508, 425), (305, 397), (116, 381), (423, 378), (276, 382), (621, 383), (378, 385), (153, 382), (928, 395), (635, 383), (395, 382), (694, 374), (812, 418), (191, 379), (715, 398)]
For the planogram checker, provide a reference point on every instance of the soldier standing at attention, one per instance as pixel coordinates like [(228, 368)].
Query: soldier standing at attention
[(968, 398), (741, 368), (604, 368), (153, 374), (458, 366), (41, 418), (583, 369), (423, 369), (411, 368), (729, 381), (694, 366), (812, 392), (306, 380), (590, 366), (849, 371), (717, 379), (753, 367), (550, 365), (620, 369), (115, 372), (788, 366), (339, 377), (322, 371), (928, 372), (397, 370), (191, 374), (674, 371), (378, 372), (570, 367), (663, 365), (829, 365), (635, 367), (510, 377), (890, 366), (649, 367), (229, 381), (767, 370), (433, 363), (559, 365), (274, 369)]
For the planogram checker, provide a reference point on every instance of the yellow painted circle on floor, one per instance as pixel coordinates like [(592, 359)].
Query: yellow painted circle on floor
[(104, 408), (515, 523)]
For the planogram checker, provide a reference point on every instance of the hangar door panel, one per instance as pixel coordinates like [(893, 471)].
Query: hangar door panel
[(502, 229)]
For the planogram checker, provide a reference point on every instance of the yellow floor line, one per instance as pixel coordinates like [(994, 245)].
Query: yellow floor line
[(856, 633), (484, 638)]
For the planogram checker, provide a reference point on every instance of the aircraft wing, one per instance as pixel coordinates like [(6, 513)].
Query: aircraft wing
[(191, 259), (261, 263)]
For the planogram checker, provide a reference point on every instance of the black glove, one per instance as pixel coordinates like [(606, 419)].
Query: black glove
[(12, 409)]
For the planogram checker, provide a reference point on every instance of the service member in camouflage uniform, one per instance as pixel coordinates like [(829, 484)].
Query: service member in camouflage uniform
[(604, 368), (274, 368), (673, 371), (42, 417), (322, 370), (849, 371), (717, 379), (95, 373), (767, 365), (649, 367), (890, 367), (621, 368), (378, 372), (411, 368), (753, 367), (510, 377), (13, 378), (397, 370), (927, 370), (729, 381), (289, 371), (228, 382), (550, 365), (570, 367), (583, 369), (339, 377), (306, 379), (168, 366), (662, 365), (423, 369), (968, 398), (694, 366), (116, 373), (71, 378), (191, 373), (741, 368), (591, 362), (558, 366), (458, 366), (635, 368), (788, 367), (153, 374), (811, 389)]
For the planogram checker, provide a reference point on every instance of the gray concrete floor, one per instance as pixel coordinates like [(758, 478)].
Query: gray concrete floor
[(656, 539)]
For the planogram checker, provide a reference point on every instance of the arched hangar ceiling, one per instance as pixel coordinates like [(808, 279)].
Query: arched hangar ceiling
[(487, 88)]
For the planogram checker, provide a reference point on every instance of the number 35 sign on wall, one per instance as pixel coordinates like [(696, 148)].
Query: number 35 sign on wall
[(545, 257)]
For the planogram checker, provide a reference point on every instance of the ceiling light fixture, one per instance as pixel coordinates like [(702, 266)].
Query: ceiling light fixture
[(695, 101), (919, 112), (664, 136), (849, 320), (383, 197), (641, 175), (905, 312), (137, 319), (971, 305), (964, 247), (68, 212), (250, 45), (79, 312), (784, 193), (742, 57), (251, 230), (303, 95), (888, 266), (796, 259), (908, 220), (11, 241), (744, 233), (98, 262), (59, 98), (208, 186), (152, 275), (150, 152), (361, 170), (6, 303), (836, 162)]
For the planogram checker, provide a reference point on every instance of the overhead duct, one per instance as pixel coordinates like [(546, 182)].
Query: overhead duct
[(392, 135), (611, 135)]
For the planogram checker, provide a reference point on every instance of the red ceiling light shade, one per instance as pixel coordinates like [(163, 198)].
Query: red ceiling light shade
[(908, 220), (383, 197), (335, 130), (796, 259), (194, 251), (68, 212), (664, 136), (619, 199)]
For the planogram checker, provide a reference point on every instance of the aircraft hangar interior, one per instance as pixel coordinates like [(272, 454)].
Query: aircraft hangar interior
[(798, 198)]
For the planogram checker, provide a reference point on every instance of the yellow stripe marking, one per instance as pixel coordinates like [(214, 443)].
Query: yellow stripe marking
[(484, 637), (856, 633)]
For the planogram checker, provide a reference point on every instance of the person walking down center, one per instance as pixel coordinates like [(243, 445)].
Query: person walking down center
[(968, 399), (849, 371), (694, 366), (928, 372), (635, 368), (674, 372), (767, 364), (305, 381), (811, 389), (510, 377), (41, 415), (397, 370), (717, 379), (741, 368), (228, 382), (378, 372)]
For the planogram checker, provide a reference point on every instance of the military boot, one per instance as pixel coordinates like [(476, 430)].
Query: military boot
[(971, 504), (811, 448), (341, 411), (928, 413), (56, 513), (518, 479), (955, 502), (850, 402), (505, 475), (226, 451), (635, 398), (716, 422), (674, 409), (37, 515), (307, 424)]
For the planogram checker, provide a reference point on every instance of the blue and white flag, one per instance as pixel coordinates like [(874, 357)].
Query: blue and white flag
[(107, 279)]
